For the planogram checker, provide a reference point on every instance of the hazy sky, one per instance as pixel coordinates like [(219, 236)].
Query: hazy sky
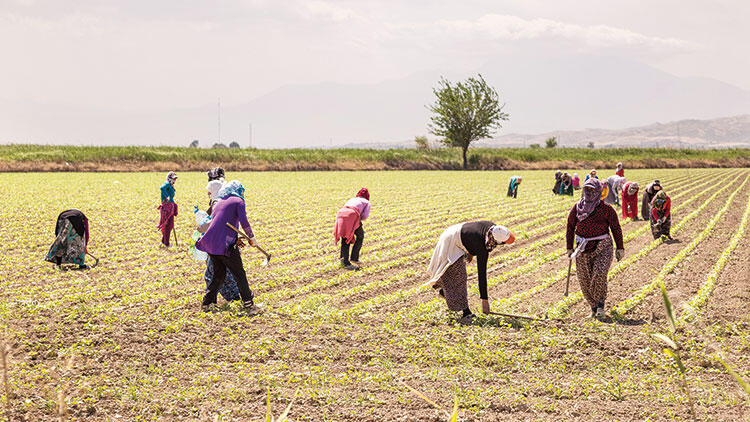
[(147, 54)]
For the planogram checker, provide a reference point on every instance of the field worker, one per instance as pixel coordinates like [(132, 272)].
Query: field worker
[(216, 173), (513, 186), (589, 223), (228, 290), (222, 244), (661, 218), (348, 228), (605, 188), (648, 195), (566, 185), (454, 249), (168, 208), (576, 181), (615, 187), (558, 182), (591, 174), (620, 171), (630, 201), (71, 242)]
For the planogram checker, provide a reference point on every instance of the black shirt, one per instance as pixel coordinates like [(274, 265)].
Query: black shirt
[(474, 236)]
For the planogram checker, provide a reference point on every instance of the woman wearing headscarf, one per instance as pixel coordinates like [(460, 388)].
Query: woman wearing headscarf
[(456, 246), (589, 223), (648, 195), (591, 174), (661, 217), (630, 201), (620, 171), (615, 186), (348, 228), (566, 185), (167, 209), (228, 290), (71, 242), (576, 181), (513, 186), (558, 182), (222, 244)]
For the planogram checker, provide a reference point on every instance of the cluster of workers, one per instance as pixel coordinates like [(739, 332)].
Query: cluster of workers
[(588, 240)]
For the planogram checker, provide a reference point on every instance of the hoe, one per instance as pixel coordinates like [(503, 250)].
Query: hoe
[(268, 255)]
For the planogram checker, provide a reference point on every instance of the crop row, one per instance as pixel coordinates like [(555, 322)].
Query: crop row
[(559, 309)]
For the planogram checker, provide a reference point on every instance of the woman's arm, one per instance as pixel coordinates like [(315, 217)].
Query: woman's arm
[(614, 227), (571, 230)]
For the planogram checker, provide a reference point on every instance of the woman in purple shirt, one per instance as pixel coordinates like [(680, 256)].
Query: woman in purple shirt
[(222, 246)]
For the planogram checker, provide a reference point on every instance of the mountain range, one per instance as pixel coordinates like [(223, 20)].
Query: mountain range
[(551, 96)]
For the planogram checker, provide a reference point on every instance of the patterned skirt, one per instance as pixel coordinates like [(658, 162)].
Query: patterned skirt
[(453, 282)]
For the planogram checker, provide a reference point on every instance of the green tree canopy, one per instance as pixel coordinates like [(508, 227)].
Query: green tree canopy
[(465, 112)]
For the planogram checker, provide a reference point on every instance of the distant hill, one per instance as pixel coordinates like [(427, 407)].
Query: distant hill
[(542, 94), (725, 132)]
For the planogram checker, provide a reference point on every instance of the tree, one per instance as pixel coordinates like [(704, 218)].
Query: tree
[(591, 145), (234, 144), (422, 142), (534, 146), (194, 144), (218, 145), (465, 112), (551, 142)]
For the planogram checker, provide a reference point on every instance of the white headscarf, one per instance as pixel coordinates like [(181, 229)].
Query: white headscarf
[(500, 233), (213, 187)]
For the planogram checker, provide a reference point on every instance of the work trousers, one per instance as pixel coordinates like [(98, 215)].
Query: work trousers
[(221, 264), (359, 235), (592, 269)]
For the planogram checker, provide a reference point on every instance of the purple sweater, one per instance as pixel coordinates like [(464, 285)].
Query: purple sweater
[(219, 238)]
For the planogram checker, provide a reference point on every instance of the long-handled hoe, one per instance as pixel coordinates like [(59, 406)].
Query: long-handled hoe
[(96, 260), (268, 255), (567, 283)]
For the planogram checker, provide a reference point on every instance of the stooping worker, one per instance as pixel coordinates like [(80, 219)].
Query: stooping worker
[(591, 174), (615, 186), (630, 201), (348, 228), (566, 185), (576, 181), (513, 186), (589, 223), (71, 241), (648, 195), (228, 290), (661, 217), (167, 209), (222, 245), (620, 170), (558, 182), (456, 247)]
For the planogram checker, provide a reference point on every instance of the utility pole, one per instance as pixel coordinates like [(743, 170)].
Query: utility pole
[(219, 119), (250, 134)]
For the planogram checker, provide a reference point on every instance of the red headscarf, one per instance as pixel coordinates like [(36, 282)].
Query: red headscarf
[(363, 193)]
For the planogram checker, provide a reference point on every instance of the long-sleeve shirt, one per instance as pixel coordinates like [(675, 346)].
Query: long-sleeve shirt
[(601, 221), (361, 204), (663, 211), (167, 192), (474, 237), (219, 238), (620, 172)]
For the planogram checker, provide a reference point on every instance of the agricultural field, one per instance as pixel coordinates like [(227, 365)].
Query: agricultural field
[(127, 340)]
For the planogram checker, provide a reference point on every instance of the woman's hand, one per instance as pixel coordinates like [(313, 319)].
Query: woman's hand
[(468, 258), (239, 243), (486, 306)]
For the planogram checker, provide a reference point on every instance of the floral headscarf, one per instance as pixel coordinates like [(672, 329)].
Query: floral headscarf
[(659, 200), (233, 188), (590, 198)]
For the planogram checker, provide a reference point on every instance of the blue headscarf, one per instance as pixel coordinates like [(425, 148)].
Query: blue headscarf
[(233, 188)]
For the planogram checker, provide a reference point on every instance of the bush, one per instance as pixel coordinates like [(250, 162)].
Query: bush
[(551, 142), (422, 142), (534, 146), (234, 144), (218, 145)]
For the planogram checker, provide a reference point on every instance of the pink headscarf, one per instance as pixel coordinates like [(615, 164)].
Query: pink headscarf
[(590, 198), (363, 193)]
